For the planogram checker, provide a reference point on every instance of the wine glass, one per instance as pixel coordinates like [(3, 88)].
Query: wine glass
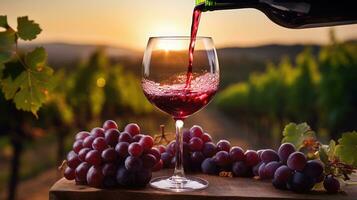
[(169, 83)]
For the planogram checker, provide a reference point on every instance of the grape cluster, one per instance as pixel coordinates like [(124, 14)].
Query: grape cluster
[(106, 157)]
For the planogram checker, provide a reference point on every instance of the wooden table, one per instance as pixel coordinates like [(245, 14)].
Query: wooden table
[(221, 188)]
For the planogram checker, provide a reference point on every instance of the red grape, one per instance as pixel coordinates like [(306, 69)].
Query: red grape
[(88, 141), (223, 145), (99, 144), (81, 173), (77, 146), (122, 149), (135, 149), (186, 135), (137, 137), (171, 148), (82, 154), (69, 173), (109, 155), (82, 135), (95, 176), (109, 169), (196, 131), (132, 129), (236, 154), (269, 155), (196, 144), (111, 137), (222, 158), (206, 138), (285, 150), (161, 148), (296, 161), (110, 124), (93, 157), (125, 137), (146, 142), (158, 166), (71, 154), (97, 132), (251, 158)]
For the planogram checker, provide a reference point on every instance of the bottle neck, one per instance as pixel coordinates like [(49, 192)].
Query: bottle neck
[(210, 5)]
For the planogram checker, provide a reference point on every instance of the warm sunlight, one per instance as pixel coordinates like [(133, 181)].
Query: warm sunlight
[(170, 45)]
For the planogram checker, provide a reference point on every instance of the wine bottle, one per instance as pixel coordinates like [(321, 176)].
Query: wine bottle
[(293, 13)]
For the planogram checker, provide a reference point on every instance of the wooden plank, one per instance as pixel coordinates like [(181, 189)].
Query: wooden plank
[(220, 188)]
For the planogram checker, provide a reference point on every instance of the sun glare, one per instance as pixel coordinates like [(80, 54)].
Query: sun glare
[(171, 45)]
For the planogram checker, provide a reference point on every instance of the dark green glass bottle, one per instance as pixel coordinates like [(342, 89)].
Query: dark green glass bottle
[(293, 13)]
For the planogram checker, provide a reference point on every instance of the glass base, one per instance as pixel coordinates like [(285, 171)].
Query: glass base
[(178, 184)]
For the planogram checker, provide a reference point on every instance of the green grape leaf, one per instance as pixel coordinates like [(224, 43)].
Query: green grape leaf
[(346, 149), (331, 149), (30, 88), (297, 133), (27, 29), (7, 42), (3, 21), (323, 154)]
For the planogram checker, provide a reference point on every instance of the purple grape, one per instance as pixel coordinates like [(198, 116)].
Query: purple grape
[(161, 148), (166, 159), (269, 155), (240, 169), (93, 157), (251, 158), (223, 145), (73, 161), (109, 155), (197, 158), (109, 181), (99, 144), (236, 154), (209, 149), (270, 169), (133, 163), (69, 173), (82, 135), (331, 184), (158, 166), (97, 132), (135, 149), (155, 152), (285, 150), (300, 182), (282, 176), (222, 158), (149, 161), (171, 148), (122, 149), (95, 176), (111, 137), (147, 142), (77, 146), (133, 129), (81, 173), (196, 144), (186, 135), (125, 177), (206, 138), (196, 131), (110, 124), (88, 141), (209, 166), (109, 169), (261, 171), (137, 137), (259, 152), (125, 137), (142, 177), (313, 168), (82, 154), (296, 161), (255, 169)]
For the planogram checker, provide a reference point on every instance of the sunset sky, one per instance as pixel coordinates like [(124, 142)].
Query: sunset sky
[(129, 23)]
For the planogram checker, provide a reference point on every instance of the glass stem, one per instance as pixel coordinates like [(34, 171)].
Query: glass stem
[(179, 173)]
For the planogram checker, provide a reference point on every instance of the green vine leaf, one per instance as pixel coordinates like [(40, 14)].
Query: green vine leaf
[(346, 149), (3, 21), (297, 133), (27, 29), (7, 42), (29, 89)]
